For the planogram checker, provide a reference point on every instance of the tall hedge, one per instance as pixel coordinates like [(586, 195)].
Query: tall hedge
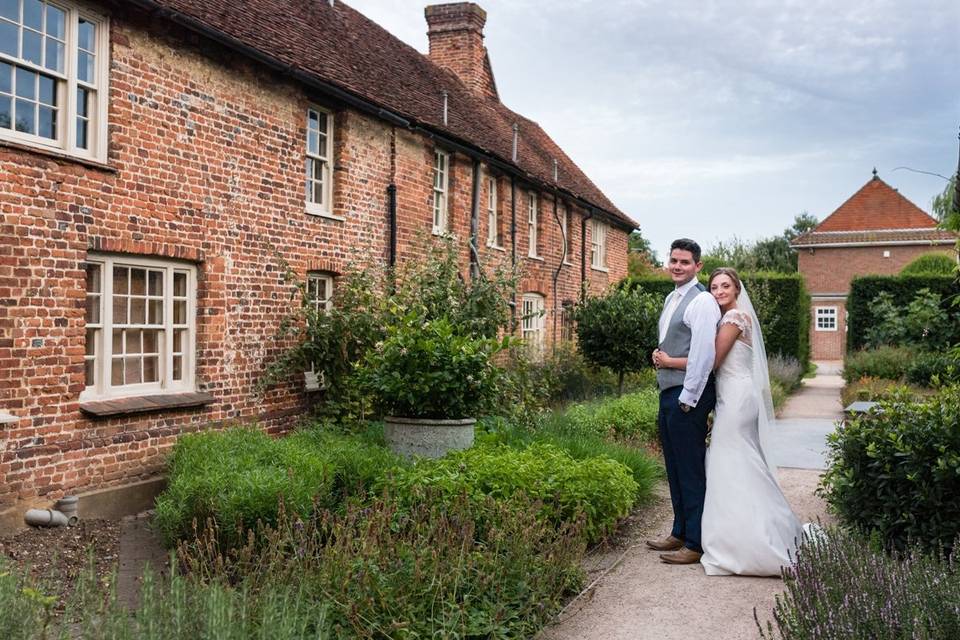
[(903, 288), (781, 301)]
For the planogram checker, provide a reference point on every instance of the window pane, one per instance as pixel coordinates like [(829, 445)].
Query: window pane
[(93, 278), (55, 56), (120, 310), (32, 46), (85, 63), (47, 125), (150, 341), (82, 138), (86, 35), (9, 38), (180, 284), (317, 193), (26, 116), (117, 341), (180, 312), (138, 282), (91, 346), (323, 125), (133, 341), (26, 84), (33, 14), (312, 143), (10, 9), (89, 372), (56, 19), (116, 372), (48, 91), (93, 309), (120, 281), (151, 370), (177, 368), (6, 76), (156, 283), (322, 145), (156, 312), (6, 112), (82, 105), (132, 371), (138, 311), (179, 340)]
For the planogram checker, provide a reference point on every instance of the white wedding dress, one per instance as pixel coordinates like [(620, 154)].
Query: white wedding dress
[(747, 528)]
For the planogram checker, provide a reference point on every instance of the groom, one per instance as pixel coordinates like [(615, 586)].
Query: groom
[(688, 328)]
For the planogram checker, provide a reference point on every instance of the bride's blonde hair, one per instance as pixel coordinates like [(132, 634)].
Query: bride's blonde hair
[(726, 271)]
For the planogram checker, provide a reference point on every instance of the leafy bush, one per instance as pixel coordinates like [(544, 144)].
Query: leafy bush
[(897, 471), (923, 324), (874, 389), (425, 368), (632, 416), (618, 330), (903, 288), (843, 587), (930, 263), (240, 476), (598, 489), (453, 568), (929, 368), (565, 376), (890, 363)]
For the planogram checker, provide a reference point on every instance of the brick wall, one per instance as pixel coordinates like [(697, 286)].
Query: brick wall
[(829, 270), (205, 166)]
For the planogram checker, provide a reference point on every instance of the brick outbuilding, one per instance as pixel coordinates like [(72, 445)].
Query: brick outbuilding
[(157, 158), (876, 231)]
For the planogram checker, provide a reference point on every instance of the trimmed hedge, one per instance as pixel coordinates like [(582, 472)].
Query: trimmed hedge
[(931, 263), (903, 288), (781, 301)]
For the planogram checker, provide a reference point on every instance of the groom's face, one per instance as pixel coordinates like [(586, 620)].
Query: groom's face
[(682, 267)]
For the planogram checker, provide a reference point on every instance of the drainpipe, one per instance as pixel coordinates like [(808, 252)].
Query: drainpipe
[(65, 514), (513, 249), (392, 209), (563, 257), (583, 254), (475, 222)]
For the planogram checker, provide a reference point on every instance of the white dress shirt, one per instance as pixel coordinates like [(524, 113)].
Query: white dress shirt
[(701, 317)]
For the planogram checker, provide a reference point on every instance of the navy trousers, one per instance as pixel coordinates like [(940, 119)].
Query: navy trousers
[(683, 436)]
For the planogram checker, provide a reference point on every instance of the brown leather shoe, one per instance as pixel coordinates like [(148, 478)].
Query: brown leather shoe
[(667, 544), (683, 556)]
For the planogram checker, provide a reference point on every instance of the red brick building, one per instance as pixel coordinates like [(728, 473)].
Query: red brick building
[(876, 231), (156, 156)]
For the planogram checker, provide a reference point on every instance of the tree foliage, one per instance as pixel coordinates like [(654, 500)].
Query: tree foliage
[(641, 259), (618, 330), (768, 254)]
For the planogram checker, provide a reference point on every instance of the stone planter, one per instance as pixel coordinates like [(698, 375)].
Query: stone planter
[(426, 437)]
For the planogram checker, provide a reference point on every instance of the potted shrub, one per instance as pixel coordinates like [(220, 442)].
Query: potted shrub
[(430, 382)]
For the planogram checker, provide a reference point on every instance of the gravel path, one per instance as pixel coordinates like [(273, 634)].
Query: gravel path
[(641, 598)]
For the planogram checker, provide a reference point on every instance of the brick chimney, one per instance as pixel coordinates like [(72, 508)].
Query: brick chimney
[(455, 32)]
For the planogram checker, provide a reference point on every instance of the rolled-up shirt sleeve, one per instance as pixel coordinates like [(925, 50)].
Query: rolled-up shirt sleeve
[(701, 316)]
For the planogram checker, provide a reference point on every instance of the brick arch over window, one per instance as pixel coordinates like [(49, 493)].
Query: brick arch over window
[(161, 248)]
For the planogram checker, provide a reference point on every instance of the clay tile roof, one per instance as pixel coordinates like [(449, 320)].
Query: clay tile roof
[(880, 236), (338, 45)]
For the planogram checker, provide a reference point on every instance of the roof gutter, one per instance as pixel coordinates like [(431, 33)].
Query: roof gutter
[(877, 243), (361, 104)]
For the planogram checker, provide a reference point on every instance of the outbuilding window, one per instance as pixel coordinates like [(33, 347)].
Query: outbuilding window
[(826, 318)]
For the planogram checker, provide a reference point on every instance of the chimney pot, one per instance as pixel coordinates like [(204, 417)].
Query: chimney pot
[(455, 32)]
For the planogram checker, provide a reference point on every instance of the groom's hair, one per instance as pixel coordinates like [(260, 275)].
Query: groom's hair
[(686, 244)]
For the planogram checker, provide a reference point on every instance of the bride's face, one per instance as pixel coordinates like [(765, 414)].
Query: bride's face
[(724, 290)]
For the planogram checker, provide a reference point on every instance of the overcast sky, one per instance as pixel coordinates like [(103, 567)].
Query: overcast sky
[(718, 119)]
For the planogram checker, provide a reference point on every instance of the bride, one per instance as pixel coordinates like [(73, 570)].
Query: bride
[(748, 527)]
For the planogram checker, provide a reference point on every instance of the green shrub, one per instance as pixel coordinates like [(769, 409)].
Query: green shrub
[(923, 324), (865, 289), (897, 471), (565, 376), (240, 476), (843, 587), (929, 368), (874, 389), (598, 489), (890, 363), (632, 416), (931, 263)]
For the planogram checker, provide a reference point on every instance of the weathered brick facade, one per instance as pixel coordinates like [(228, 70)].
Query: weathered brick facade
[(876, 232), (205, 168)]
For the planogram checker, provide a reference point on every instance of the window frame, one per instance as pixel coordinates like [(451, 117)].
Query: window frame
[(494, 239), (533, 224), (826, 313), (441, 193), (67, 84), (323, 209), (313, 380), (532, 308), (566, 224), (102, 387), (598, 246)]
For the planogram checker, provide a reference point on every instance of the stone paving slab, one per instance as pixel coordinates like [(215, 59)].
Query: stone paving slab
[(800, 443)]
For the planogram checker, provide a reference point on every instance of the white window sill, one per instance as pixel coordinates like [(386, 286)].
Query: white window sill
[(323, 213), (600, 269), (496, 247), (446, 235), (60, 154), (537, 258), (567, 263)]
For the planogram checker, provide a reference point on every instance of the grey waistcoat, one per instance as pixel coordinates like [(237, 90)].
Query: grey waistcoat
[(676, 342)]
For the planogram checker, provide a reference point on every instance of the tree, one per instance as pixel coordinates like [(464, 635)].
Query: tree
[(641, 259), (768, 254), (618, 331), (943, 206)]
